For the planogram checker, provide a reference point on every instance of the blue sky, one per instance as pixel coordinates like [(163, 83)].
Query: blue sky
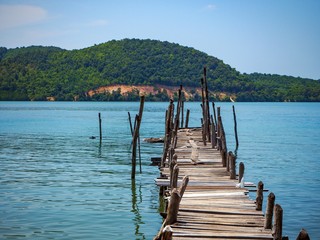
[(275, 36)]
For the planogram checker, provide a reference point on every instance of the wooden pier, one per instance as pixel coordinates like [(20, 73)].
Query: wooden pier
[(205, 196), (213, 206)]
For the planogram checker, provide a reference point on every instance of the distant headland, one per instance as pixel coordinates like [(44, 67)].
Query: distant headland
[(122, 70)]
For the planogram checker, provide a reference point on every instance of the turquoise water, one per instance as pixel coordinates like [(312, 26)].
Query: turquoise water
[(57, 183)]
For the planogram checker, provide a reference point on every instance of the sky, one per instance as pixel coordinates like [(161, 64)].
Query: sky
[(273, 37)]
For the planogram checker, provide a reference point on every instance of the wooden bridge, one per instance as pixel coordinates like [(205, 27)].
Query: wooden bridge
[(205, 198), (207, 202)]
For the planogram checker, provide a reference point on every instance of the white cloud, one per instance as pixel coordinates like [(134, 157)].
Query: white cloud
[(98, 23), (19, 15)]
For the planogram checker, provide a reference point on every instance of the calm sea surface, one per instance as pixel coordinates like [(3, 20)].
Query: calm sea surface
[(57, 183)]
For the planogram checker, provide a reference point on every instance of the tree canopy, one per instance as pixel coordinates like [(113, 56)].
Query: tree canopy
[(37, 72)]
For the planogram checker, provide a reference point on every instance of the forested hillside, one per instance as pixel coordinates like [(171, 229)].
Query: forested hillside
[(42, 73)]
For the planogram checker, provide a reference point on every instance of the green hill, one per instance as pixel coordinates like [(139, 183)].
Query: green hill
[(41, 73)]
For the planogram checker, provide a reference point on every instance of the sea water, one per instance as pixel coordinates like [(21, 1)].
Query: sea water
[(57, 181)]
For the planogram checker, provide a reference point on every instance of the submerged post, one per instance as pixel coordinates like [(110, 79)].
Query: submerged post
[(135, 138), (130, 123), (235, 127), (100, 128)]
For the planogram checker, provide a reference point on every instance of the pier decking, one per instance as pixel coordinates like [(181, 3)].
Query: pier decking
[(213, 206)]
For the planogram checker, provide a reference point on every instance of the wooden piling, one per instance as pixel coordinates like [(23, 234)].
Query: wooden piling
[(269, 211), (100, 127), (259, 196), (303, 235), (213, 207), (175, 174), (222, 142), (168, 132), (167, 233), (171, 167), (241, 171), (232, 162), (182, 114), (207, 113), (214, 113), (187, 118), (204, 112), (213, 134), (135, 138), (139, 150), (130, 123), (277, 226), (173, 207), (235, 127)]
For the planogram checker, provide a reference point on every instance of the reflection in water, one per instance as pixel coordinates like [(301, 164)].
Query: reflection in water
[(136, 199), (99, 150)]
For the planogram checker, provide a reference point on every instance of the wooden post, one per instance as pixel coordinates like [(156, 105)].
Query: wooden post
[(183, 186), (100, 128), (277, 226), (204, 125), (173, 208), (167, 233), (139, 149), (207, 113), (135, 137), (134, 149), (232, 166), (168, 133), (170, 156), (218, 130), (213, 134), (235, 127), (177, 119), (176, 196), (222, 142), (171, 168), (218, 111), (303, 235), (204, 112), (259, 197), (214, 113), (241, 171), (222, 134), (202, 94), (182, 113), (228, 161), (175, 174), (269, 211), (187, 118), (130, 123)]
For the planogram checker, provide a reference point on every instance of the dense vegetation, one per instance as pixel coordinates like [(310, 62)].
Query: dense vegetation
[(35, 73)]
